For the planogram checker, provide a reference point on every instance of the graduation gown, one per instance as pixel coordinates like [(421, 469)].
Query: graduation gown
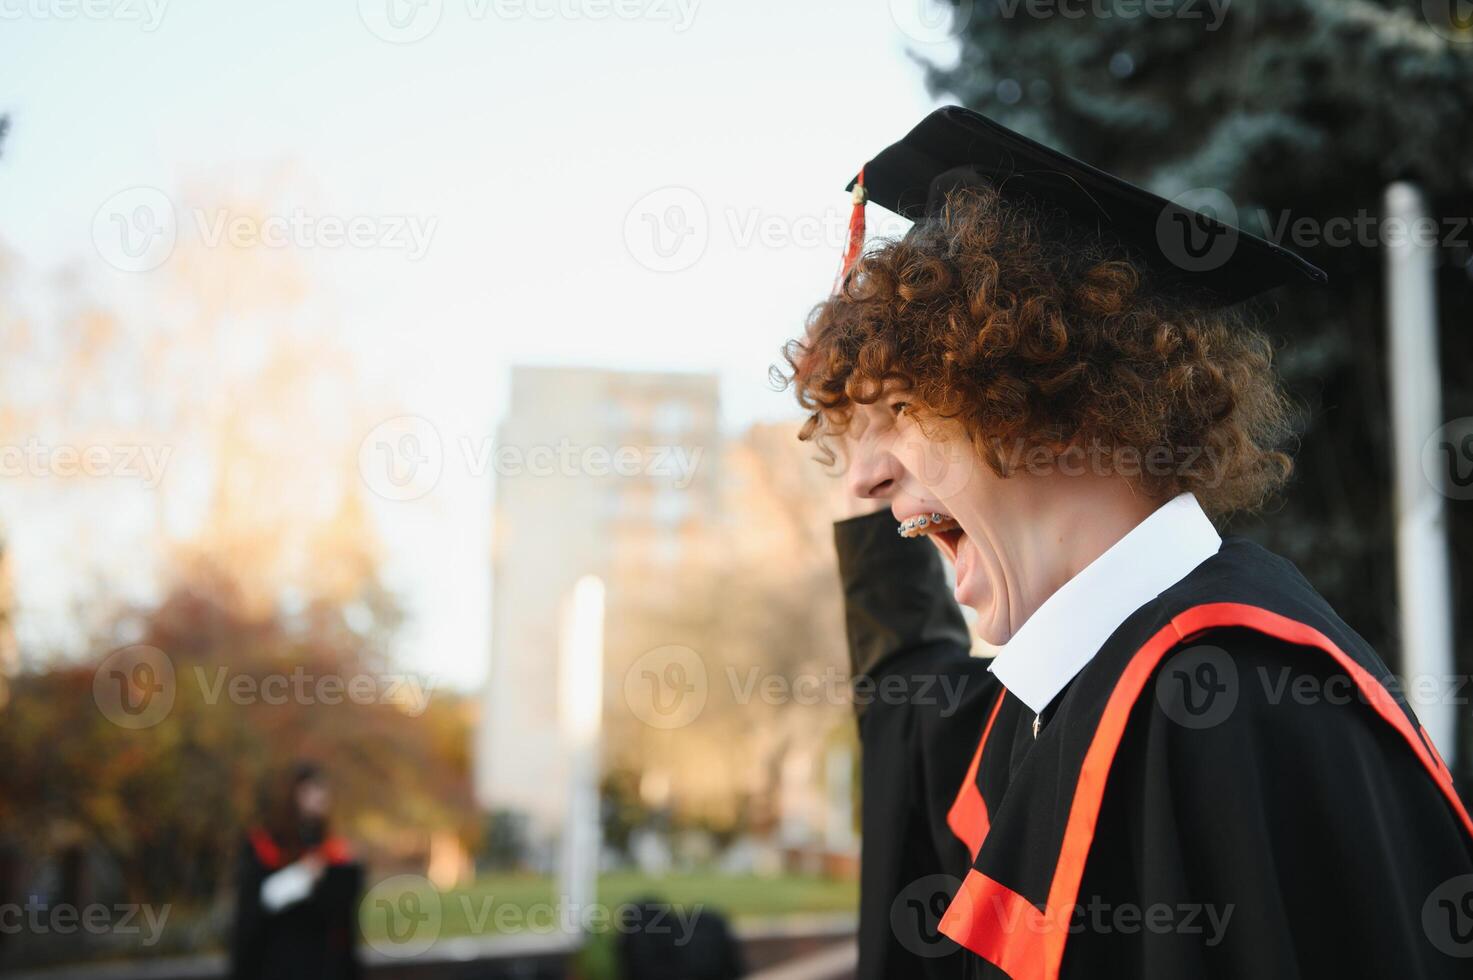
[(312, 939), (1231, 786)]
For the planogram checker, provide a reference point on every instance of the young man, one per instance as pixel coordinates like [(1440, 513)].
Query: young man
[(1181, 762)]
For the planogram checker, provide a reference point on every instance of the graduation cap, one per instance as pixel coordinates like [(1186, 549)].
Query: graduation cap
[(1184, 249)]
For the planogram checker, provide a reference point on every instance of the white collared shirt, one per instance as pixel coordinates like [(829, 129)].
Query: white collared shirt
[(1072, 624)]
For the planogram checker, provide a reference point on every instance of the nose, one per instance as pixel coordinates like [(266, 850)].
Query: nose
[(874, 473)]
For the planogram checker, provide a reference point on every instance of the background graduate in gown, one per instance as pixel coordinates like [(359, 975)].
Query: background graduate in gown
[(297, 888)]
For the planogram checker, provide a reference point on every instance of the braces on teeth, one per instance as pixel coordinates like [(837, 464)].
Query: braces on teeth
[(914, 527)]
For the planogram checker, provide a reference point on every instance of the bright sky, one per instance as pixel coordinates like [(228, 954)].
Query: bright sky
[(536, 146)]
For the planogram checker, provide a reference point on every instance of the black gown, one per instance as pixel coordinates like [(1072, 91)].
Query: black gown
[(1231, 787)]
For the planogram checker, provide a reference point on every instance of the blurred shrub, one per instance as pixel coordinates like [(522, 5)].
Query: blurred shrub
[(165, 804)]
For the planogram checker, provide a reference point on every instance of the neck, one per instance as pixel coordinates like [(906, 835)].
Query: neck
[(1072, 522)]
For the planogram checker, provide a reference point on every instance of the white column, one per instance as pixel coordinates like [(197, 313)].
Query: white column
[(580, 711), (1422, 574)]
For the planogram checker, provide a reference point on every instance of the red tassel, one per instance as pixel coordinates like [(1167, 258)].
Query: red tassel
[(856, 232)]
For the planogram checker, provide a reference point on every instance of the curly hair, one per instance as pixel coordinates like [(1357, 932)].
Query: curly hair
[(1035, 335)]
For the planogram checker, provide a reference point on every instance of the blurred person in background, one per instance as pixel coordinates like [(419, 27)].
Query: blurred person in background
[(297, 887), (664, 945), (1181, 761)]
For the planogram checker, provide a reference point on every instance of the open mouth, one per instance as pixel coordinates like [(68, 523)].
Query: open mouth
[(941, 527)]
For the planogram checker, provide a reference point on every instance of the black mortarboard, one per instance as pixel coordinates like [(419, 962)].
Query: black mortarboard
[(1184, 249)]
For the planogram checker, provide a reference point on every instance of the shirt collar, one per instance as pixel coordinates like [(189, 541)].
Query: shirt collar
[(1072, 624)]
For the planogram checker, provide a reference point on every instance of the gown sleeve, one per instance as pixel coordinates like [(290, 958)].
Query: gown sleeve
[(921, 699), (1296, 836)]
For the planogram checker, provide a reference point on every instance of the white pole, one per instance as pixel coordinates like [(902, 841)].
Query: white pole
[(839, 815), (580, 710), (1422, 573)]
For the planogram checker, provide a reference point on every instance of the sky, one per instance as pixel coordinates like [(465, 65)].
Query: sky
[(652, 184)]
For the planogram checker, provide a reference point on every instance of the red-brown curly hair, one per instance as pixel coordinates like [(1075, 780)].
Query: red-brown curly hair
[(1032, 336)]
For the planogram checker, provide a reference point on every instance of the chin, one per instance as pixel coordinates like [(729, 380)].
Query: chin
[(993, 634), (991, 624)]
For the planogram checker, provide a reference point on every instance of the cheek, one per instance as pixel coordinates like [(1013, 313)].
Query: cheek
[(941, 461)]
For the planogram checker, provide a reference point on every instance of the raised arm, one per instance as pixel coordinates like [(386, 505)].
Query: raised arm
[(920, 698)]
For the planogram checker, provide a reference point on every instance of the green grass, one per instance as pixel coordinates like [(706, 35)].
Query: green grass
[(505, 903), (508, 903)]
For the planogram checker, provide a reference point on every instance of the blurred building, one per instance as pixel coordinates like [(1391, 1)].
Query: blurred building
[(9, 648), (597, 472)]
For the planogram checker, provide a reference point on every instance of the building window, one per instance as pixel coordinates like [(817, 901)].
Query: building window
[(672, 417), (672, 507)]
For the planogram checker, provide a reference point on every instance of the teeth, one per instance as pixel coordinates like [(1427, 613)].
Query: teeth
[(914, 527)]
